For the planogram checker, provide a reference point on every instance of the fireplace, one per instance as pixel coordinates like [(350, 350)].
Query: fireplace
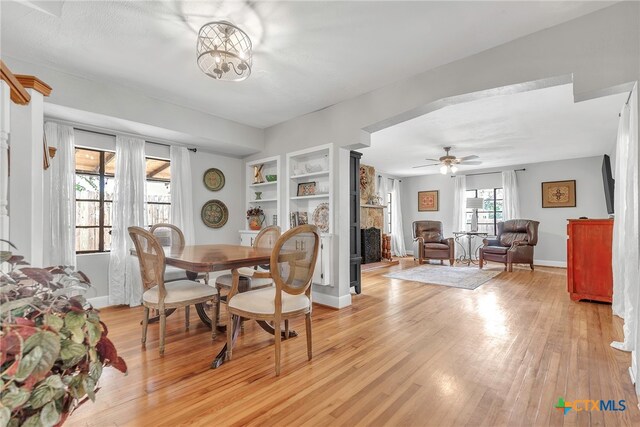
[(371, 250)]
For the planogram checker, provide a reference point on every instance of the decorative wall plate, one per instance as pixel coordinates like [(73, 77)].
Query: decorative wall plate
[(214, 214), (213, 179), (321, 217)]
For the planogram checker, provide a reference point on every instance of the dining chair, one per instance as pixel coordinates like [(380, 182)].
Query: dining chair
[(170, 236), (252, 278), (293, 260), (159, 295)]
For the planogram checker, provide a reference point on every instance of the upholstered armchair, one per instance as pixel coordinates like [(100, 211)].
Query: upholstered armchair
[(513, 245), (429, 242)]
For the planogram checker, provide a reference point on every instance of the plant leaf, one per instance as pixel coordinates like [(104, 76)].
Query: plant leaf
[(28, 364), (5, 416), (15, 304), (74, 320), (50, 344), (15, 398), (94, 332), (49, 415), (71, 351), (54, 381), (53, 321), (33, 421), (77, 335), (95, 371), (41, 395), (39, 275)]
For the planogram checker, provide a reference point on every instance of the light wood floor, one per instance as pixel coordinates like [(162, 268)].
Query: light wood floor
[(404, 353)]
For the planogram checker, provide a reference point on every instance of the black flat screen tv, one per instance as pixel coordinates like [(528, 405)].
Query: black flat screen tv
[(609, 183)]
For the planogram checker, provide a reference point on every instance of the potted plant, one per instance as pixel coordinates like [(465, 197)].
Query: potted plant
[(255, 217), (53, 345)]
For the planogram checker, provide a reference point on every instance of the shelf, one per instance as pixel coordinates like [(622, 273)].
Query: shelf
[(315, 196), (310, 175), (263, 184), (263, 201)]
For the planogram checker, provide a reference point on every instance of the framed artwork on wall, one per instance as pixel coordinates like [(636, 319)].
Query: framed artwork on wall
[(428, 201), (559, 194)]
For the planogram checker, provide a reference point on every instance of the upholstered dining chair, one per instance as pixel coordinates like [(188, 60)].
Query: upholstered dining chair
[(514, 244), (252, 277), (292, 264), (170, 236), (159, 295)]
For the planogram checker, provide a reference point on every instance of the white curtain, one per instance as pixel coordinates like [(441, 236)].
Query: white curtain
[(397, 229), (459, 203), (181, 193), (626, 255), (511, 203), (383, 190), (62, 218), (128, 210)]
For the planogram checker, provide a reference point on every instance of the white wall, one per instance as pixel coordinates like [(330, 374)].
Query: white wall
[(551, 248)]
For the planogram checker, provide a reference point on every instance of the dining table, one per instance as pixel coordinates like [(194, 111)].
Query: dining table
[(198, 259)]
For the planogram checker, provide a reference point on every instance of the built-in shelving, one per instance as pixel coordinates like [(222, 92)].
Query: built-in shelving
[(264, 184), (310, 175), (270, 190)]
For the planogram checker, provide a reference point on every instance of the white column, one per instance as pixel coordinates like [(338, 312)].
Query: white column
[(26, 207), (5, 126)]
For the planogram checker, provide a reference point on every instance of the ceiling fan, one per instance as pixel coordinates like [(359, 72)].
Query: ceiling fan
[(450, 163)]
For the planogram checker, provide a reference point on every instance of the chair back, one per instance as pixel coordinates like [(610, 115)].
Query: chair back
[(168, 235), (430, 231), (517, 230), (266, 238), (293, 260), (151, 258)]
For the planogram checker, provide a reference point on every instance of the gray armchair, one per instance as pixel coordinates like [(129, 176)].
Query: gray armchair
[(429, 242), (513, 245)]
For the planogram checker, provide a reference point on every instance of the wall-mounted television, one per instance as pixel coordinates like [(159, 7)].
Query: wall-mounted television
[(609, 183)]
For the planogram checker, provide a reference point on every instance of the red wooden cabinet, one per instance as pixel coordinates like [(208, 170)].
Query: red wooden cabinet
[(589, 273)]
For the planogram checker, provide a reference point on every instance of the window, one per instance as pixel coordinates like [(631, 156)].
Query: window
[(95, 171), (491, 213), (158, 191), (94, 195)]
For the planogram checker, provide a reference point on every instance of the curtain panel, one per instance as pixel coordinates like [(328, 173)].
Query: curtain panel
[(181, 193), (511, 202), (128, 210), (62, 218), (397, 228), (459, 207)]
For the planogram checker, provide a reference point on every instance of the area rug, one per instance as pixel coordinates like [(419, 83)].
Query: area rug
[(457, 277)]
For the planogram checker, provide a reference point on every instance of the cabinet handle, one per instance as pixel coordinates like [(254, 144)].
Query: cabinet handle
[(296, 245), (252, 241)]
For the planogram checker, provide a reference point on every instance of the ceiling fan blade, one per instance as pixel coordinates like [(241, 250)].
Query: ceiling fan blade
[(424, 166), (433, 160), (471, 163), (471, 157)]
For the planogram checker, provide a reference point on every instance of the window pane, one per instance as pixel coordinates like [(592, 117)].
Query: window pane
[(87, 161), (499, 204), (158, 169), (486, 193), (109, 163), (107, 239), (471, 193), (87, 213), (158, 191), (87, 239), (158, 213), (499, 193), (87, 187), (107, 213), (109, 187)]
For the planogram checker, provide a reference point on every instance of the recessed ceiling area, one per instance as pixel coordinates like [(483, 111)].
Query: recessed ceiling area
[(308, 54), (527, 127)]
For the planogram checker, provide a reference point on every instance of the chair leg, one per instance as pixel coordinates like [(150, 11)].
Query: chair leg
[(480, 262), (229, 333), (441, 262), (187, 313), (307, 321), (214, 316), (217, 319), (163, 326), (286, 329), (510, 267), (451, 261), (145, 323), (277, 336), (531, 265)]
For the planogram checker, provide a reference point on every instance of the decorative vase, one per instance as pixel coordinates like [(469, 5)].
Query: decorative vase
[(255, 222), (258, 195)]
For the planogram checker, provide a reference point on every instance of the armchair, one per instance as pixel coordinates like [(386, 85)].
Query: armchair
[(513, 245), (429, 242)]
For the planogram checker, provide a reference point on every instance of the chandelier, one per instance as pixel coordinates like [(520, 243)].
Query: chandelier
[(224, 51)]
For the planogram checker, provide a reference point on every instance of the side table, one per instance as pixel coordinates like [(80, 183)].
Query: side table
[(467, 255)]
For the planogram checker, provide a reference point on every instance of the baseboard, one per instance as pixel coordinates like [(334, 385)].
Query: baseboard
[(99, 302), (331, 300), (545, 263), (409, 253)]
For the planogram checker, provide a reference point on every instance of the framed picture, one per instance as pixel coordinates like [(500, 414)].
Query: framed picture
[(302, 218), (428, 201), (306, 189), (559, 194)]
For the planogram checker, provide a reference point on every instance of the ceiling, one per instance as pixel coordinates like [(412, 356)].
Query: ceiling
[(526, 127), (308, 55)]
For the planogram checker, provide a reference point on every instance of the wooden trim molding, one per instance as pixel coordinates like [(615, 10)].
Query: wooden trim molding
[(19, 94), (32, 82)]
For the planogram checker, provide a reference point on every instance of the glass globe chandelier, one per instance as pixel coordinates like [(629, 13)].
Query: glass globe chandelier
[(224, 51)]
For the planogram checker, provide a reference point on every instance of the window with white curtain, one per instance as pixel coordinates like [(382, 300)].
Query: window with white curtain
[(491, 213)]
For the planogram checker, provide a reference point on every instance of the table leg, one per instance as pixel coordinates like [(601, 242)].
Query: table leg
[(222, 354), (268, 328)]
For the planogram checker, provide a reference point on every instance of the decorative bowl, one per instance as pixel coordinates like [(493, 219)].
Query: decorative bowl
[(271, 178)]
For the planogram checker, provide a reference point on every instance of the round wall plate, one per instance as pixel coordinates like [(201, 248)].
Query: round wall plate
[(214, 214), (213, 179)]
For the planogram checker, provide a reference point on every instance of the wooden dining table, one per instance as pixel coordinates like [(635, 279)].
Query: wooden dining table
[(210, 258)]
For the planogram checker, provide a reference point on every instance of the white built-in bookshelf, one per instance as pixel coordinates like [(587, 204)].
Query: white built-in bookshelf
[(270, 195)]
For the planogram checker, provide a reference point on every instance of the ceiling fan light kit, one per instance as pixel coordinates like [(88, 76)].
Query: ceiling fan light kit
[(224, 51)]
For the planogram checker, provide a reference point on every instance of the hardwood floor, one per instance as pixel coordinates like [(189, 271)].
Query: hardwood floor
[(404, 353)]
